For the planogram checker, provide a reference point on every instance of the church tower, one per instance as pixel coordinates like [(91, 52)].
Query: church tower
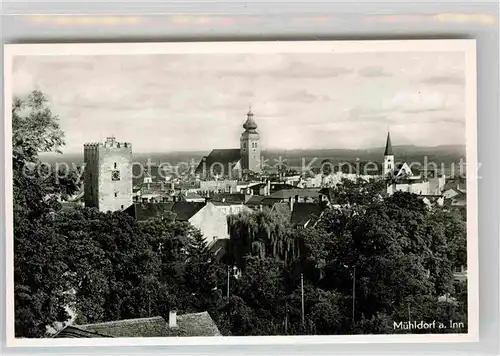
[(388, 157), (108, 175), (250, 145)]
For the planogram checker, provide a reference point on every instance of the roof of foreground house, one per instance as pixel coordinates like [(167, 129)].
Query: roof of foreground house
[(195, 324)]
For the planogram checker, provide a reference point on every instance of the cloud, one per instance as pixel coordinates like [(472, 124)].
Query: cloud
[(373, 72), (445, 80), (301, 96), (416, 102)]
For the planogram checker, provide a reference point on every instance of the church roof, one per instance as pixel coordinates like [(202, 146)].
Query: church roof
[(388, 146), (226, 157), (195, 324)]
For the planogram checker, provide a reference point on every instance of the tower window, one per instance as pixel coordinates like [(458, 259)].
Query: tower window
[(115, 175), (389, 166), (115, 165), (116, 195)]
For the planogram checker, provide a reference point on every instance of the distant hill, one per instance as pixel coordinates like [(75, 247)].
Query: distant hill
[(443, 154)]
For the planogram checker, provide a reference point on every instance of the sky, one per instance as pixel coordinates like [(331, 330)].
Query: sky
[(197, 102)]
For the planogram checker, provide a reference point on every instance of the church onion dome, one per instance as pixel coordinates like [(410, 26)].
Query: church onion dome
[(250, 124)]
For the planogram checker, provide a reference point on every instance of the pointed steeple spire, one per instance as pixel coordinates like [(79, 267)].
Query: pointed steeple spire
[(388, 146)]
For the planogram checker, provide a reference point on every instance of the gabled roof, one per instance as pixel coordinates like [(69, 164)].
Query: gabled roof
[(183, 210), (196, 324), (304, 212), (217, 157), (255, 200)]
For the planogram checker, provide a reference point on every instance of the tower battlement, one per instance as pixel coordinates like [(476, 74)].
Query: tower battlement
[(108, 174), (109, 143)]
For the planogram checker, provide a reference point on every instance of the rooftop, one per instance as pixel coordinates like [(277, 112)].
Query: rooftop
[(196, 324), (304, 212), (183, 210)]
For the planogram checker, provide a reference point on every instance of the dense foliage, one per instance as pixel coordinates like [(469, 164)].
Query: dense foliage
[(368, 262)]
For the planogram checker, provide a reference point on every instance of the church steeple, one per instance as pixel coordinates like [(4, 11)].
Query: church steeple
[(388, 146), (250, 145), (250, 125), (388, 157)]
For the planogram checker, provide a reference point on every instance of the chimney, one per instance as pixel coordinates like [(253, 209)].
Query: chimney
[(172, 319), (291, 200)]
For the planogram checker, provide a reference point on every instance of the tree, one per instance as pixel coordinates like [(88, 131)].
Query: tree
[(40, 289)]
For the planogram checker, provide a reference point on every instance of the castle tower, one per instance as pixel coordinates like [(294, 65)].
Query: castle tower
[(388, 157), (108, 175), (250, 145)]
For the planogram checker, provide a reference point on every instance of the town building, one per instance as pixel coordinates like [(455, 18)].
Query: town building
[(234, 162), (108, 175)]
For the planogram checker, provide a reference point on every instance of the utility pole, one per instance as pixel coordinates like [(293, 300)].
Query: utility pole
[(286, 318), (228, 276), (302, 292), (149, 305), (353, 293)]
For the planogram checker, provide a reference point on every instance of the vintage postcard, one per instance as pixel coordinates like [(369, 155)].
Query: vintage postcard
[(241, 193)]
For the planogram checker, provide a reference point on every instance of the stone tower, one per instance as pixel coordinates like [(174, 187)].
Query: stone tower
[(108, 175), (388, 157), (250, 145)]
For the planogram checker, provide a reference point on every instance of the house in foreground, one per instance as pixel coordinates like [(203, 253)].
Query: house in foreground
[(195, 324)]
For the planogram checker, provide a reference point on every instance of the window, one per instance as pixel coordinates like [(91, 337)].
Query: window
[(116, 195), (255, 144), (122, 206), (244, 145), (389, 166), (115, 175), (115, 165)]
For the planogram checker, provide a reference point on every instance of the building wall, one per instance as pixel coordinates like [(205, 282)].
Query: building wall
[(420, 188), (250, 152), (227, 186), (388, 164), (91, 175), (232, 209), (108, 175), (212, 223)]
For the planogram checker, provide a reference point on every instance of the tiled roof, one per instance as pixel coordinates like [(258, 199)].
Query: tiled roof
[(146, 211), (289, 193), (196, 324), (237, 198), (185, 210), (303, 212), (219, 156), (283, 209), (73, 332), (255, 200)]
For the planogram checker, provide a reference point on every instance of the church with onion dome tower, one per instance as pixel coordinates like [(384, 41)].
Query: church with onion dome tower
[(224, 162), (250, 145)]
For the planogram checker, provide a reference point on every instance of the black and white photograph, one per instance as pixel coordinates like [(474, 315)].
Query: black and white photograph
[(211, 191)]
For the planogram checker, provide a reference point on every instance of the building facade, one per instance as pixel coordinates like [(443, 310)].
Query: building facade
[(108, 175)]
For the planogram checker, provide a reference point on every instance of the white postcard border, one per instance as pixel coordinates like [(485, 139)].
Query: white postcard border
[(468, 47)]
